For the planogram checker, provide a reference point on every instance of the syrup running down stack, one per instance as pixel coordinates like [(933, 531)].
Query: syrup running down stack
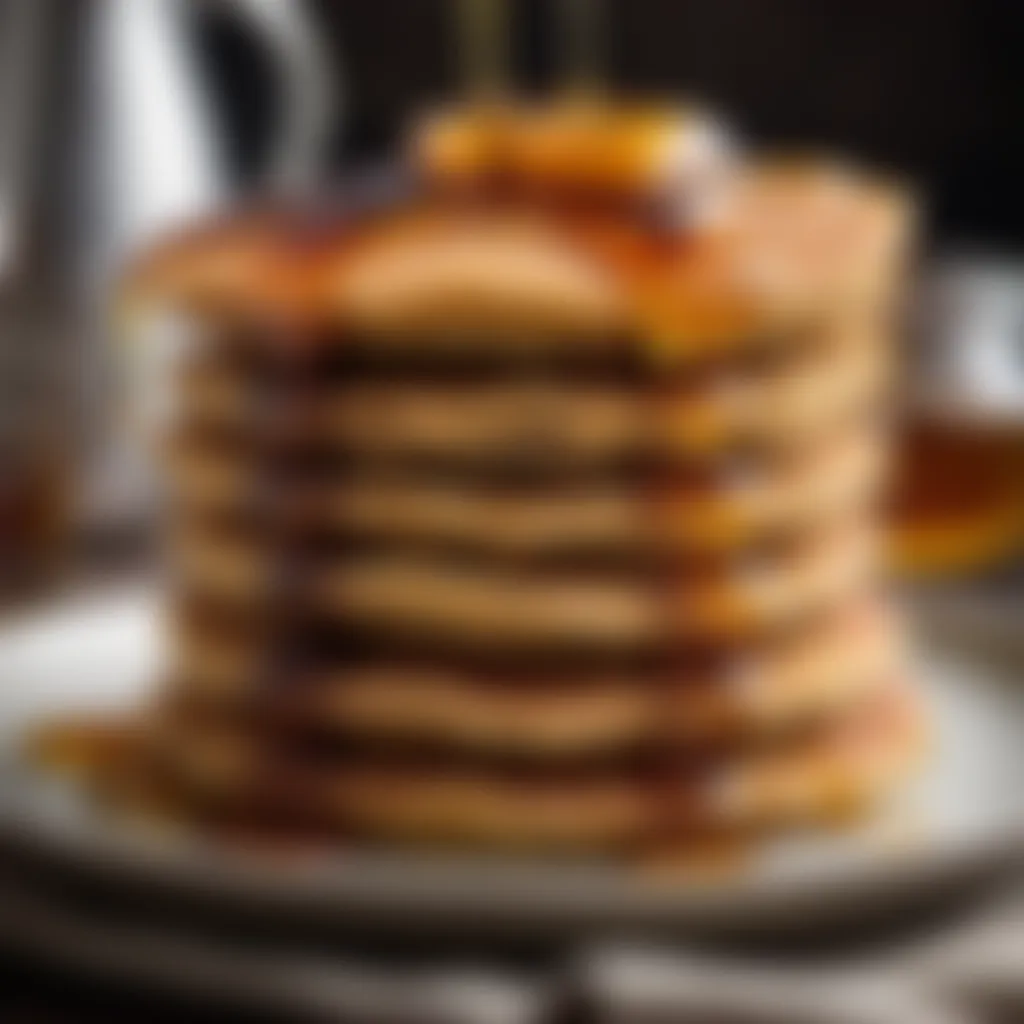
[(536, 508)]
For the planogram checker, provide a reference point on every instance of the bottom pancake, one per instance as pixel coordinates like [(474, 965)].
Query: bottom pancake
[(847, 762)]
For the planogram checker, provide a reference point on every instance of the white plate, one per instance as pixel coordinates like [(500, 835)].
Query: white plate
[(961, 822)]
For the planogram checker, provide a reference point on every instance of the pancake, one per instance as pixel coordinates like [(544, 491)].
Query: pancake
[(484, 606), (804, 245), (768, 687), (808, 242), (723, 507), (810, 387), (852, 760)]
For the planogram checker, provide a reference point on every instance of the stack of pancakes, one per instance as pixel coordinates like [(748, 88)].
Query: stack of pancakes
[(532, 507)]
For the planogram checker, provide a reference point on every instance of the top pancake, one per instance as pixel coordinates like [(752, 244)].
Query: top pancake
[(796, 245)]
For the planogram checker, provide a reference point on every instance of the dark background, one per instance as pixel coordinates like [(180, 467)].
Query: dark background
[(934, 88)]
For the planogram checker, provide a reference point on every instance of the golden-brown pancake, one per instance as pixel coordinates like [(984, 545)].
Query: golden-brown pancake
[(853, 759), (720, 506), (767, 687), (489, 606), (806, 245), (808, 242), (805, 389)]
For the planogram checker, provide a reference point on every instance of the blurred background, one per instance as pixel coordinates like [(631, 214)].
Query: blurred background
[(121, 119)]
